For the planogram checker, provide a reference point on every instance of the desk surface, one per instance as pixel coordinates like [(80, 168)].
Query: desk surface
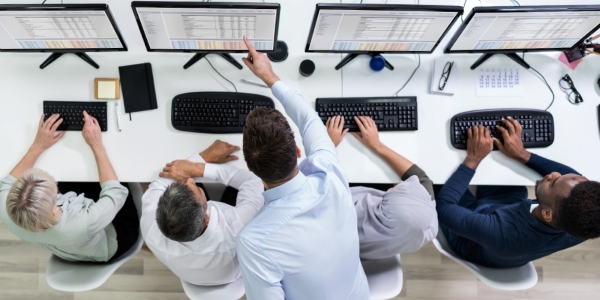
[(148, 141)]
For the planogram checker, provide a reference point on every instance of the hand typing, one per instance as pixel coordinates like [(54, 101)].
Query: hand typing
[(513, 145), (335, 129), (46, 135), (91, 131), (479, 145), (369, 135)]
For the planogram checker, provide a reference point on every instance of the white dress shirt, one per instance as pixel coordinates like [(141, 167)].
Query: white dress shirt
[(303, 244), (210, 259)]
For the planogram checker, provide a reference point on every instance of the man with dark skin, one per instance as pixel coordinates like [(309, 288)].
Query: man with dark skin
[(500, 227)]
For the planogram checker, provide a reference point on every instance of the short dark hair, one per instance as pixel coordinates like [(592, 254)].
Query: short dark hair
[(179, 215), (579, 213), (269, 145)]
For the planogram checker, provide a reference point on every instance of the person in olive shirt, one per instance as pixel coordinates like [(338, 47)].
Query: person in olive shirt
[(69, 225), (400, 220)]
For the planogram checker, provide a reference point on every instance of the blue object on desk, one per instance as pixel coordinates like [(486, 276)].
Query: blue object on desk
[(377, 63)]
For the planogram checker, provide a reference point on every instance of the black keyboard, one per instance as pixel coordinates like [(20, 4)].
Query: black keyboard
[(72, 113), (389, 113), (538, 126), (215, 112)]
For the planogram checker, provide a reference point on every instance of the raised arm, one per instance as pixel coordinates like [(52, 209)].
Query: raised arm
[(46, 137), (513, 148), (312, 130)]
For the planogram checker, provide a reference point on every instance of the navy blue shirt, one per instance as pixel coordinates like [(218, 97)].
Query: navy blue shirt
[(510, 236)]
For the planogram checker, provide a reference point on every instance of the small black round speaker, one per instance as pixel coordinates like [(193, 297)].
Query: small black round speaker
[(280, 54), (307, 67)]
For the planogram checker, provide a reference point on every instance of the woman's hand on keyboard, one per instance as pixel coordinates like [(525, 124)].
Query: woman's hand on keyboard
[(91, 132), (46, 135)]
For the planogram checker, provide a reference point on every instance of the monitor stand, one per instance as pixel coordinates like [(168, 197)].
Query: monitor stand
[(512, 56), (55, 56), (200, 56), (352, 56)]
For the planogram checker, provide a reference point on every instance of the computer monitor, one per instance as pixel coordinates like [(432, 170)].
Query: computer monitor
[(379, 28), (509, 29), (60, 29), (207, 27)]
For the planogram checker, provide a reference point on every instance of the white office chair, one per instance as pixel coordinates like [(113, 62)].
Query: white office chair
[(384, 277), (231, 291), (510, 279), (70, 276)]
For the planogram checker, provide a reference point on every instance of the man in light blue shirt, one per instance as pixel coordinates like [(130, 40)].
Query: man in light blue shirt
[(303, 243)]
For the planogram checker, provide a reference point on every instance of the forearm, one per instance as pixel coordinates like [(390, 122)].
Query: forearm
[(106, 171), (414, 170), (27, 162), (454, 188), (313, 131), (397, 162), (545, 166)]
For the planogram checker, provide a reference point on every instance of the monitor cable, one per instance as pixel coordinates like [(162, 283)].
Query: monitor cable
[(211, 65), (411, 75), (543, 80), (342, 69)]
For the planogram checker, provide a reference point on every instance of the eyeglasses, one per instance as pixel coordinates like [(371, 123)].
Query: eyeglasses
[(445, 75), (567, 86)]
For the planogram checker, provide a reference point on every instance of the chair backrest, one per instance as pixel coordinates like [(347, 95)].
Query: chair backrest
[(68, 276), (385, 277), (230, 291), (512, 279)]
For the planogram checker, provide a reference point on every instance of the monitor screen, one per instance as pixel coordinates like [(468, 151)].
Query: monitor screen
[(210, 28), (395, 28), (58, 29), (512, 30)]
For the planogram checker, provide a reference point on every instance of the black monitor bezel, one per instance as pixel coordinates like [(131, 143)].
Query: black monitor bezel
[(70, 7), (441, 8), (240, 5), (512, 9)]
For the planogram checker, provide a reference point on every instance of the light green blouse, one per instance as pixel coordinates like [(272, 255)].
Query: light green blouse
[(85, 231)]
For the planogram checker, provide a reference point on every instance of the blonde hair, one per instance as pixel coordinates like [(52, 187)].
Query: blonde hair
[(31, 200)]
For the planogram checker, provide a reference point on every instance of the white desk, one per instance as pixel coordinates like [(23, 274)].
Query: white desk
[(149, 141)]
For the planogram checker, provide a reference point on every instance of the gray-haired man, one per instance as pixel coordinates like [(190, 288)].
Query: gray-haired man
[(195, 237)]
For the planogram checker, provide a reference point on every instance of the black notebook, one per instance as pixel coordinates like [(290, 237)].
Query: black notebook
[(137, 83)]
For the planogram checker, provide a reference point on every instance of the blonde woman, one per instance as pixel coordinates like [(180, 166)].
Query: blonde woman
[(68, 224)]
